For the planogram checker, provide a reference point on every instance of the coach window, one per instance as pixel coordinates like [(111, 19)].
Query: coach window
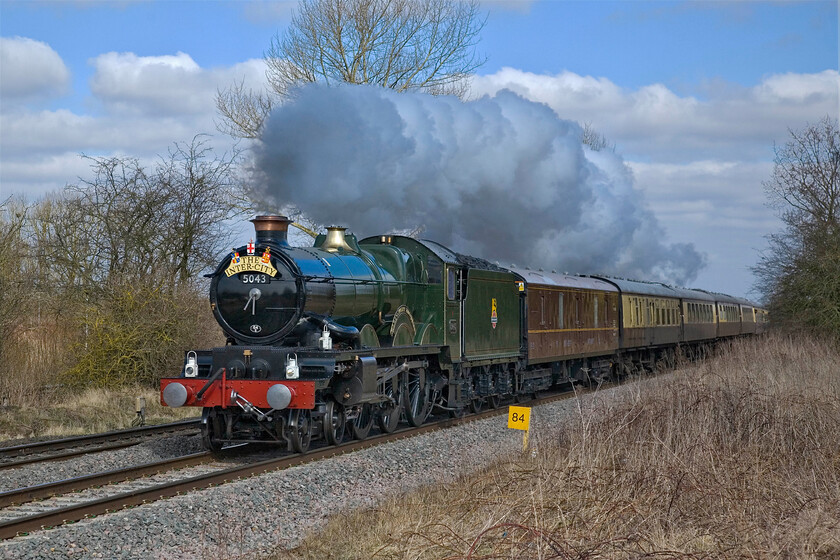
[(560, 321), (596, 311), (542, 310)]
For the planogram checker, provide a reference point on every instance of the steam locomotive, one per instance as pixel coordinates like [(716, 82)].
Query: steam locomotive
[(349, 333)]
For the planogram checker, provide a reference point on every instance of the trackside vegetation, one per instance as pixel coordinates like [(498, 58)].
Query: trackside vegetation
[(799, 273), (101, 283), (738, 457)]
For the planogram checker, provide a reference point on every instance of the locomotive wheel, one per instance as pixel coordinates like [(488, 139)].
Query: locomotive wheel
[(389, 418), (300, 430), (493, 401), (210, 435), (335, 422), (361, 425), (476, 405), (416, 401)]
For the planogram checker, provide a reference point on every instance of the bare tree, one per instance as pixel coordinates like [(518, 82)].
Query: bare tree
[(405, 45), (127, 221), (202, 193), (14, 302), (594, 139), (800, 271)]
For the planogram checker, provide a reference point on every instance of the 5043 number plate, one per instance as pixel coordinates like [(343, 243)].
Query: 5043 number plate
[(251, 278)]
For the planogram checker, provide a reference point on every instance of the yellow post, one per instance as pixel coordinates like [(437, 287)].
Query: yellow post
[(519, 418)]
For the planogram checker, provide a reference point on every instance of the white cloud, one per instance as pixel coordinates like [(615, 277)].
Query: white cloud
[(39, 174), (718, 205), (148, 102), (56, 132), (707, 193), (653, 121), (170, 85), (799, 89), (30, 69)]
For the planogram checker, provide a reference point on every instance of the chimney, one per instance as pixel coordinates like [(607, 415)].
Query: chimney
[(272, 229), (335, 240)]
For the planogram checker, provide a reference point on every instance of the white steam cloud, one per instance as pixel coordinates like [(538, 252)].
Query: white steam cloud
[(500, 177)]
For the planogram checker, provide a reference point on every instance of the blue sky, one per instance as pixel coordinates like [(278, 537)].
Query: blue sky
[(693, 94), (633, 42)]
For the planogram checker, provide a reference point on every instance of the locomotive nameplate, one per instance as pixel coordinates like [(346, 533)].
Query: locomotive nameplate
[(250, 264)]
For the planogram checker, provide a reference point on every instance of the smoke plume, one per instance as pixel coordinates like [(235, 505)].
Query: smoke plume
[(500, 177)]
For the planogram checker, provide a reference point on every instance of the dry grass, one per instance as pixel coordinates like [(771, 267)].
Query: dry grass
[(91, 411), (737, 458)]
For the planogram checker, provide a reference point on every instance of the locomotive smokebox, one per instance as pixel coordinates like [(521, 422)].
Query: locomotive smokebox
[(272, 229)]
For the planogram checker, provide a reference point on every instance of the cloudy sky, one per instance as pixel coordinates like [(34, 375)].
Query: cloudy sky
[(694, 95)]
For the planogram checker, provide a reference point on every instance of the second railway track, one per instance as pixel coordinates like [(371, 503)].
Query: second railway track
[(52, 450)]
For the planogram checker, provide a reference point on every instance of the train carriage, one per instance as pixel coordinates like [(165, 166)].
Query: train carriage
[(728, 310), (699, 319), (748, 323), (650, 314), (569, 316)]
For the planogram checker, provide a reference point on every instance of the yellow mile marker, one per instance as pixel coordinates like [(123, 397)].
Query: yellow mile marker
[(519, 418)]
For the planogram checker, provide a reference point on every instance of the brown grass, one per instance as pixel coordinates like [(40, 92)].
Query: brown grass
[(735, 458), (90, 411)]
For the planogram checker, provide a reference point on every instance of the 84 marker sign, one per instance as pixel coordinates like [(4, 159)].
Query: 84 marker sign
[(519, 418)]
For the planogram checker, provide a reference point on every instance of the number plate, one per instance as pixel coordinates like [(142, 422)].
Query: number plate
[(254, 278)]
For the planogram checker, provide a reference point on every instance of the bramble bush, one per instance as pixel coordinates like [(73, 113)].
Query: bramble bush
[(139, 334)]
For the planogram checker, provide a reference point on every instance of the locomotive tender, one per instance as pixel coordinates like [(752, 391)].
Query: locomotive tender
[(348, 333)]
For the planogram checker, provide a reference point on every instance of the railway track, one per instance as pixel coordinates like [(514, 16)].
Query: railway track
[(53, 450), (98, 494)]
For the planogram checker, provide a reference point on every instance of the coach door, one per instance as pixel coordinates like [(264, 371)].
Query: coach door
[(452, 312)]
